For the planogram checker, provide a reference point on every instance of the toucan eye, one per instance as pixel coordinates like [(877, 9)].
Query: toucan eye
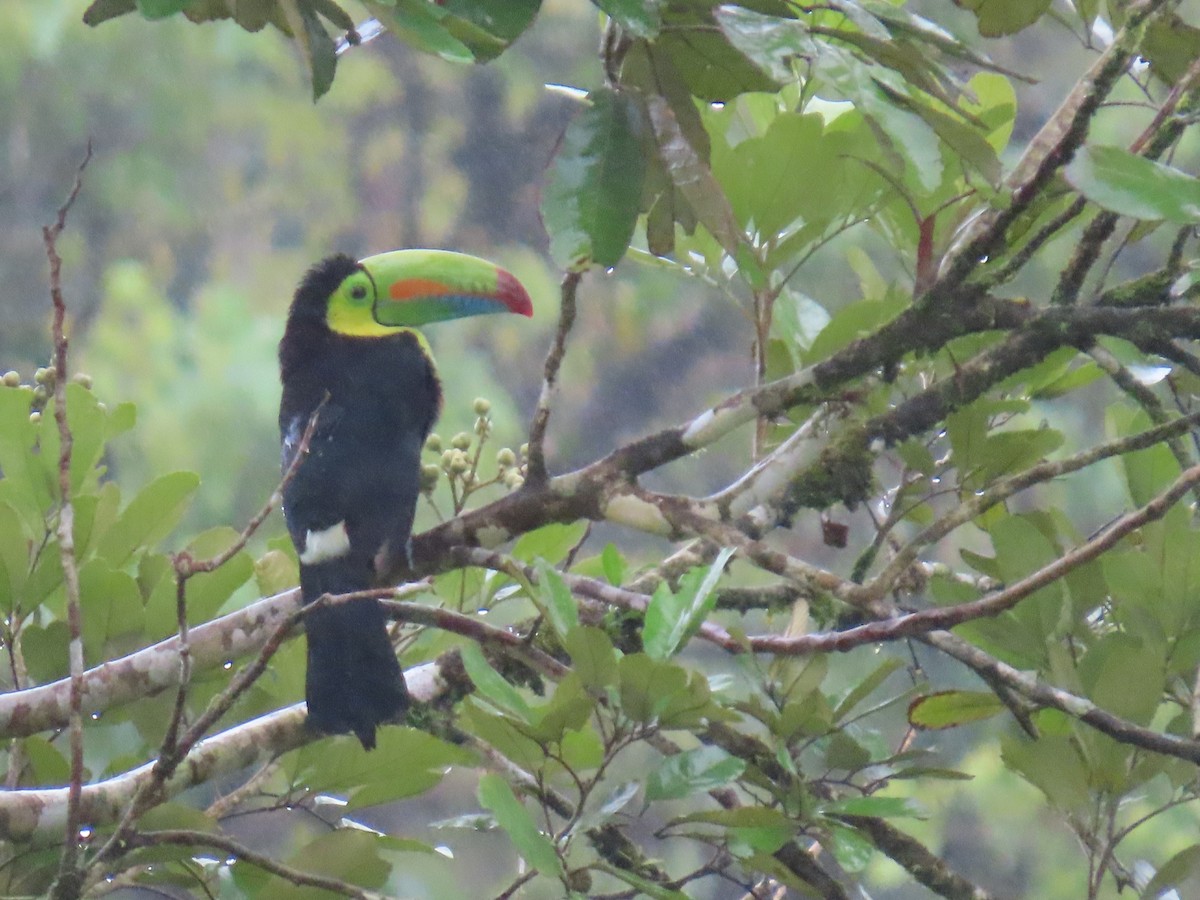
[(359, 292)]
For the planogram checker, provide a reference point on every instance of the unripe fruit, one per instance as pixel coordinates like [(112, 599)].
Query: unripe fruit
[(433, 443), (482, 406), (12, 379), (429, 477), (506, 457), (461, 441)]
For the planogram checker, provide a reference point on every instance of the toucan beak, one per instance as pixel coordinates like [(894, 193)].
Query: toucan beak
[(414, 287)]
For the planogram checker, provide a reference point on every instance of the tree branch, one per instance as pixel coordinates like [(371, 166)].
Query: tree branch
[(67, 884), (230, 847), (536, 470)]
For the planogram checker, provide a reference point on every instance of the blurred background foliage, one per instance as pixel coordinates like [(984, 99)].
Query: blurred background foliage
[(217, 180)]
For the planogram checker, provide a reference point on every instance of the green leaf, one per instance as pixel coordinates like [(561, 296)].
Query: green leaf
[(771, 42), (103, 10), (275, 572), (875, 805), (177, 815), (1011, 451), (207, 591), (844, 752), (419, 24), (160, 9), (550, 542), (864, 688), (14, 557), (26, 487), (582, 750), (149, 517), (554, 599), (998, 18), (491, 685), (797, 321), (488, 27), (964, 140), (405, 762), (112, 607), (693, 177), (45, 650), (673, 617), (1171, 45), (316, 46), (614, 564), (1179, 868), (592, 656), (348, 854), (1130, 185), (1053, 765), (641, 18), (89, 430), (46, 762), (568, 710), (1125, 675), (536, 849), (691, 772), (850, 848), (648, 686), (651, 889), (502, 733), (851, 322), (594, 187), (950, 709), (751, 829)]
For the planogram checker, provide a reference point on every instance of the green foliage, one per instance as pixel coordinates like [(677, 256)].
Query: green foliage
[(919, 414), (1131, 185), (595, 186)]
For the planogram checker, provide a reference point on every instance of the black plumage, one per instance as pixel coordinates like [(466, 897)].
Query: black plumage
[(378, 397)]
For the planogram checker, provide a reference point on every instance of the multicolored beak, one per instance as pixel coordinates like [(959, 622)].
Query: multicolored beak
[(415, 287)]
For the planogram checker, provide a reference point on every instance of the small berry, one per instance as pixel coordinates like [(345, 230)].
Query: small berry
[(505, 457), (459, 462), (429, 477), (461, 441), (482, 406), (83, 379), (433, 443), (35, 417), (513, 479), (12, 379)]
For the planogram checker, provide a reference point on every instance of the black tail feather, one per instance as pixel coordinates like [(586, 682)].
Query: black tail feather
[(354, 681)]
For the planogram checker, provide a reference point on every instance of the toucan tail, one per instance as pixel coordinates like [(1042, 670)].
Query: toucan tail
[(354, 681)]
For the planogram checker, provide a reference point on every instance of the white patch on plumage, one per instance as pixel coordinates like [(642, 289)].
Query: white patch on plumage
[(322, 546)]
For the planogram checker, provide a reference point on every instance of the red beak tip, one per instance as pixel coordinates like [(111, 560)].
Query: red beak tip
[(513, 293)]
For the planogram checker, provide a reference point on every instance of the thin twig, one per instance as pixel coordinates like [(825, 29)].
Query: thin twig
[(944, 617), (186, 567), (231, 847), (536, 471), (68, 882), (1008, 487)]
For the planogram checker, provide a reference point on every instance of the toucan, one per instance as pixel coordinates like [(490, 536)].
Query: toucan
[(352, 356)]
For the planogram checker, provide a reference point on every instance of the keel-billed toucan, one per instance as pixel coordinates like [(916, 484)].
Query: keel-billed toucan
[(350, 352)]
